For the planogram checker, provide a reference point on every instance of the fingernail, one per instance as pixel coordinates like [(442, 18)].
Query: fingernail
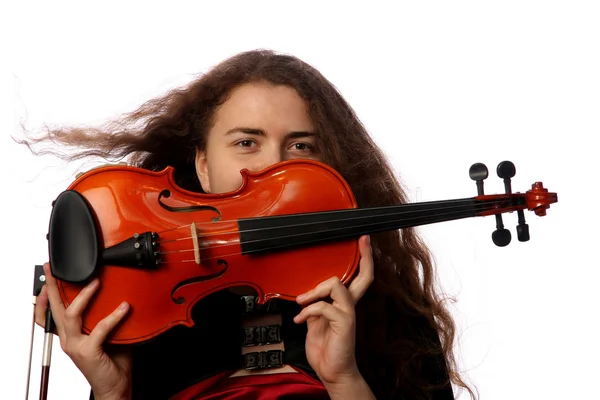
[(123, 306), (93, 283), (368, 239), (301, 297)]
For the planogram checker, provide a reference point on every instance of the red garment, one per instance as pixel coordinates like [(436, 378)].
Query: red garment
[(256, 387)]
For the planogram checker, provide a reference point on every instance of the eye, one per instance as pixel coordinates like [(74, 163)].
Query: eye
[(245, 143), (301, 146)]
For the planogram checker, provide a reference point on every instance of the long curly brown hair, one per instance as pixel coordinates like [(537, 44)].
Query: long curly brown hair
[(404, 330)]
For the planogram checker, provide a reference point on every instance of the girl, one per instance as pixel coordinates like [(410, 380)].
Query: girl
[(386, 335)]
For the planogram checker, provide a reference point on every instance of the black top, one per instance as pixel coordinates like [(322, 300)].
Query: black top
[(182, 356)]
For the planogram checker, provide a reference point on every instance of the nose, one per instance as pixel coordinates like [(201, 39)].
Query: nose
[(268, 158)]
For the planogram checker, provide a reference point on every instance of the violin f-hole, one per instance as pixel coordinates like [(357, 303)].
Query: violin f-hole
[(167, 193), (198, 279)]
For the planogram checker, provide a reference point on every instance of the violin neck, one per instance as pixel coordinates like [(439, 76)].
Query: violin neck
[(262, 234)]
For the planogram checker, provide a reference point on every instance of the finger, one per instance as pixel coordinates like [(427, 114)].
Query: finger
[(105, 326), (56, 304), (41, 305), (333, 288), (328, 311), (366, 274), (75, 309)]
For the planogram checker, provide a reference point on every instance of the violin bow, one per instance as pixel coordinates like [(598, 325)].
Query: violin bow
[(39, 279)]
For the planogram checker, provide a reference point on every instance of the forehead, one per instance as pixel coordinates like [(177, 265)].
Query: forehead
[(263, 104)]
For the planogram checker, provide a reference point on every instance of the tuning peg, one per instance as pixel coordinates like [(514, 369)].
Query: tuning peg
[(501, 235), (522, 228), (478, 172), (506, 170)]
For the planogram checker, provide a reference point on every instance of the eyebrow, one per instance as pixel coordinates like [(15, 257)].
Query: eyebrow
[(260, 132)]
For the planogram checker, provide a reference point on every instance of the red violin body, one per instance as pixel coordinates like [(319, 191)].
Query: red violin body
[(198, 242)]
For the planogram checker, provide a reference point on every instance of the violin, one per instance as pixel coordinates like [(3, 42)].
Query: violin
[(286, 229)]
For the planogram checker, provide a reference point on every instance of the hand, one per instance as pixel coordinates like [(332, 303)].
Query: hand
[(109, 375), (330, 341)]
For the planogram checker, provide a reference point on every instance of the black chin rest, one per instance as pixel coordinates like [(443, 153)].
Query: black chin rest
[(72, 238)]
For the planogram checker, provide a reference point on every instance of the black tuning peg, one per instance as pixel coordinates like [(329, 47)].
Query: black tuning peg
[(506, 170), (501, 235), (478, 172), (522, 228)]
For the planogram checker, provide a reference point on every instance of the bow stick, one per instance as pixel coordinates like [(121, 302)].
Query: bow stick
[(39, 279)]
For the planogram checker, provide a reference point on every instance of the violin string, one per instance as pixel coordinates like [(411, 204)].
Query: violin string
[(271, 247), (467, 202), (175, 251), (236, 242)]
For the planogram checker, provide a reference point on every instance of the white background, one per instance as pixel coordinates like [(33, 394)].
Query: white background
[(440, 85)]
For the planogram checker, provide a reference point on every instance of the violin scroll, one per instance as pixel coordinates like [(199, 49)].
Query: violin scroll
[(539, 199)]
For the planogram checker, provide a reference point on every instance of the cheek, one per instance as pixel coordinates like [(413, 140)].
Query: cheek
[(224, 176)]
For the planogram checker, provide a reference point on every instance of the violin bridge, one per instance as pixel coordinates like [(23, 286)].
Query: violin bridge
[(196, 246)]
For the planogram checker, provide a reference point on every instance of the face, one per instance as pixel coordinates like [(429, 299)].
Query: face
[(259, 125)]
